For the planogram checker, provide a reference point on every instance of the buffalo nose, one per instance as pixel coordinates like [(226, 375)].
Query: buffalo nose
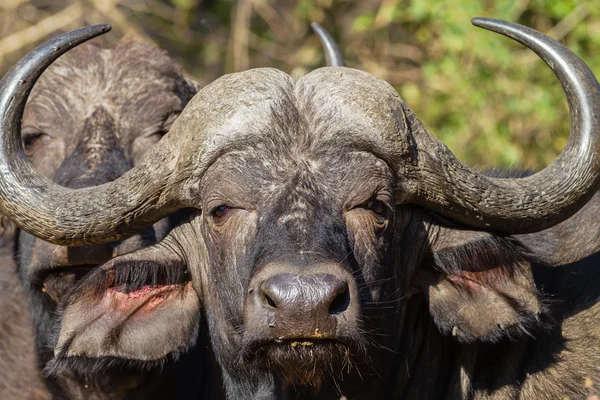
[(310, 296)]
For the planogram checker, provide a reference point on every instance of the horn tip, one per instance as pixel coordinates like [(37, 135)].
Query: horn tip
[(101, 28), (488, 23), (478, 20), (83, 34), (333, 56)]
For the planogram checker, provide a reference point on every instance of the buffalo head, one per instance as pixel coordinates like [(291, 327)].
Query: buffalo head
[(311, 205)]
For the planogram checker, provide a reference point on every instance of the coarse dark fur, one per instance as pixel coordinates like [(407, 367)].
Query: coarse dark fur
[(92, 116), (435, 310)]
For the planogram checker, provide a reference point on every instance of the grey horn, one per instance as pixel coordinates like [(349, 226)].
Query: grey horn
[(535, 202), (333, 55), (74, 216)]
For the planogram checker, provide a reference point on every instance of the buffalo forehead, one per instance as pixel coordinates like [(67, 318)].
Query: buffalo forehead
[(350, 109), (116, 79), (334, 107), (233, 108), (348, 105)]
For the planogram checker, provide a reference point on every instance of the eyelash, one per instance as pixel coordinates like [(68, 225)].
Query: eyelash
[(30, 139), (376, 206), (220, 212)]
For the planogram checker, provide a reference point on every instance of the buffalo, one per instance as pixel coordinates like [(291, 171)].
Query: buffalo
[(335, 247), (90, 118), (78, 144)]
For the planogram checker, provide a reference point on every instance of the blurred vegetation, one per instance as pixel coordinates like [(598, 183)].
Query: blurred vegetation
[(491, 101)]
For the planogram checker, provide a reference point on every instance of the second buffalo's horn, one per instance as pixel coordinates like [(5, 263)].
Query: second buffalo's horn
[(333, 55)]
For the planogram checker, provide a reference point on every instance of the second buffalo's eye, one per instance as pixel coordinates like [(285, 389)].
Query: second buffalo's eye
[(376, 206), (160, 133), (219, 213), (30, 140), (155, 137)]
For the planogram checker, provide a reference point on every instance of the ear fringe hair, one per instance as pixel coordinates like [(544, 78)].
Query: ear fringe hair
[(129, 276), (88, 367), (528, 324), (501, 256)]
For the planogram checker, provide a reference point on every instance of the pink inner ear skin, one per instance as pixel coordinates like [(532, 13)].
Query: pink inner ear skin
[(468, 283), (160, 290), (145, 324), (483, 281), (145, 299)]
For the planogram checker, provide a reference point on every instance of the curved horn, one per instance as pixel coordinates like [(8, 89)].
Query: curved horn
[(73, 216), (525, 204), (333, 55)]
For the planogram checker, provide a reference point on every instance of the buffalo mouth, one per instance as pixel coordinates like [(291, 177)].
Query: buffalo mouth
[(305, 362)]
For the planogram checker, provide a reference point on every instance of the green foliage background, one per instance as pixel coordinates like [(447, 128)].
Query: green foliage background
[(489, 99)]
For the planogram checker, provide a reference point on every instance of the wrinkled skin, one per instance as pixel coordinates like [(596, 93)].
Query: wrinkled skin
[(426, 304), (90, 118)]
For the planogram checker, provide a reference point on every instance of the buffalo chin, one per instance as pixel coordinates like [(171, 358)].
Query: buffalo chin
[(305, 363)]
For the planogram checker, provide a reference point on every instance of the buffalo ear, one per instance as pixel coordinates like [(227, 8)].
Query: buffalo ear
[(480, 286), (138, 309)]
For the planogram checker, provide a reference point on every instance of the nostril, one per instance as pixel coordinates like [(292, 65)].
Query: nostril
[(340, 303), (269, 300), (314, 295)]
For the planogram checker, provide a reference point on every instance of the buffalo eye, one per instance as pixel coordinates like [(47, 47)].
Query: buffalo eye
[(376, 207), (159, 134), (167, 124), (31, 140), (156, 133), (220, 213)]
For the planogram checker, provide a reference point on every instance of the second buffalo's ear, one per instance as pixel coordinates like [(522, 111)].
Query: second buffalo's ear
[(140, 309), (480, 286)]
